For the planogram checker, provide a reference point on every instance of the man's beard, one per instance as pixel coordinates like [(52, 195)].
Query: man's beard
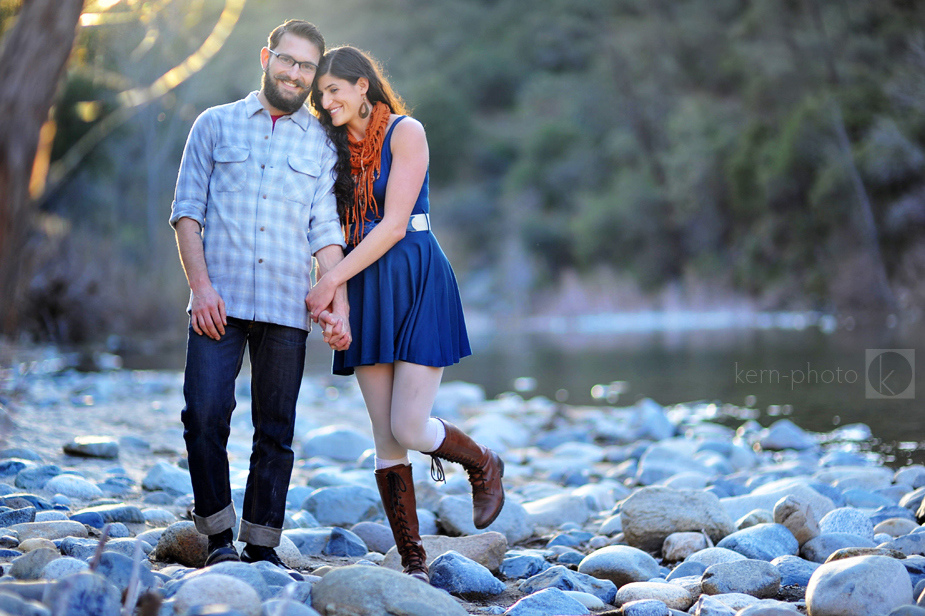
[(276, 98)]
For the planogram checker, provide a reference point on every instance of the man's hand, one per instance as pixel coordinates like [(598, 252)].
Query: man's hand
[(208, 313)]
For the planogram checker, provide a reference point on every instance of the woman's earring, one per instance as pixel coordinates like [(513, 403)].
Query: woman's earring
[(364, 109)]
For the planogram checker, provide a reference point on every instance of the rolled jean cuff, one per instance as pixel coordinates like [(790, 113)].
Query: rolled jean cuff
[(255, 534), (217, 522)]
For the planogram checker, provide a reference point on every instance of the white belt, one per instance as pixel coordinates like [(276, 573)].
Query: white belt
[(419, 222)]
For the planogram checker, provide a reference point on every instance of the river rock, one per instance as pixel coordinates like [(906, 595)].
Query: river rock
[(912, 544), (849, 521), (756, 516), (217, 588), (117, 569), (870, 585), (35, 477), (784, 434), (679, 546), (29, 566), (463, 577), (377, 537), (519, 566), (281, 607), (545, 603), (672, 595), (487, 549), (664, 459), (73, 486), (340, 443), (798, 516), (169, 478), (758, 578), (49, 530), (645, 607), (895, 527), (126, 514), (249, 574), (343, 505), (794, 571), (376, 591), (455, 513), (766, 497), (652, 513), (17, 516), (62, 567), (565, 579), (722, 605), (182, 543), (820, 548), (553, 511), (712, 556), (92, 447), (84, 594), (762, 542), (620, 564), (344, 543)]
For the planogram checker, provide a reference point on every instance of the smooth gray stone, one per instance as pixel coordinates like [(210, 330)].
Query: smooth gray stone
[(784, 434), (280, 607), (762, 542), (847, 520), (343, 505), (274, 576), (35, 477), (377, 537), (522, 566), (117, 568), (757, 578), (893, 511), (85, 594), (455, 513), (818, 549), (565, 579), (244, 572), (126, 514), (686, 569), (645, 607), (344, 543), (909, 545), (17, 516), (92, 447), (169, 478), (545, 602), (860, 585), (21, 453), (461, 576), (377, 591), (34, 591), (339, 443), (794, 571), (17, 606), (10, 468), (62, 567), (310, 541)]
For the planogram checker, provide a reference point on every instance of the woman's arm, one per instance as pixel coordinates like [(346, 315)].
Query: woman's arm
[(410, 158)]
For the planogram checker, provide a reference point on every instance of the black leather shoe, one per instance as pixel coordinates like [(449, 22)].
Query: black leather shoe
[(221, 549), (257, 553)]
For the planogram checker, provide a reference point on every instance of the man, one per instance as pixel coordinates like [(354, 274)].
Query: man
[(253, 203)]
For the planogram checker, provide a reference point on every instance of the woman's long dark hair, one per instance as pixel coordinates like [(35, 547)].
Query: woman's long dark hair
[(350, 63)]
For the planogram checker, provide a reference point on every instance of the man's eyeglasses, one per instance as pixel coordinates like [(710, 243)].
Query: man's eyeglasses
[(288, 61)]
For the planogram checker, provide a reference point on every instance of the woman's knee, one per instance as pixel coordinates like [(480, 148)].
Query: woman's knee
[(411, 436)]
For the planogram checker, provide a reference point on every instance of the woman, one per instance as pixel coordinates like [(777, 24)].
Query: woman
[(405, 312)]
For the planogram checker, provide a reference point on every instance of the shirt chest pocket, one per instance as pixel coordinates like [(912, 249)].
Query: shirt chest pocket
[(301, 178), (230, 171)]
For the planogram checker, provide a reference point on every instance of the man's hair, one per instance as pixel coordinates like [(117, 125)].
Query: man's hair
[(300, 28)]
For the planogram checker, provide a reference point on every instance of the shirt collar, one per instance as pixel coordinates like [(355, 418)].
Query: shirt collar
[(252, 105)]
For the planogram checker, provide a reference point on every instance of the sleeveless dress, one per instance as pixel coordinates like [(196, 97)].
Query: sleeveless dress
[(405, 306)]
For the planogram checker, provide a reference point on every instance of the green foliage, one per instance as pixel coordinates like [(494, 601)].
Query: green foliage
[(653, 137)]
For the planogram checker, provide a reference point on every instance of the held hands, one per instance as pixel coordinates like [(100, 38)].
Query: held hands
[(336, 330), (207, 314)]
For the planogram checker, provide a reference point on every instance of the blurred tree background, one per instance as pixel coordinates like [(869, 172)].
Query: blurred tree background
[(585, 154)]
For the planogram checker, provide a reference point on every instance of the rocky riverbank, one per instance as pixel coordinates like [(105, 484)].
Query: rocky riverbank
[(639, 510)]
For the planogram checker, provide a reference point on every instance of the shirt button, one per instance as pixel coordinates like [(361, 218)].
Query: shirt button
[(262, 166), (263, 228), (259, 260), (266, 136), (264, 196)]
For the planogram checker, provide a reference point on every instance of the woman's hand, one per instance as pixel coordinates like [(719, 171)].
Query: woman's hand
[(336, 330)]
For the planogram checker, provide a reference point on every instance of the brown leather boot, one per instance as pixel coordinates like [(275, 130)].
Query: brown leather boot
[(485, 471), (396, 488)]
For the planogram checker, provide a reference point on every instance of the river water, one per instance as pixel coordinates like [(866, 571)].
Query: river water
[(820, 372)]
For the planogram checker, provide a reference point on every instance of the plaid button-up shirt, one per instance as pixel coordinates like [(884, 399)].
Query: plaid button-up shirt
[(264, 198)]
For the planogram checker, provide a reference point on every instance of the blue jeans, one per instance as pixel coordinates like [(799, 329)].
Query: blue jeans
[(277, 357)]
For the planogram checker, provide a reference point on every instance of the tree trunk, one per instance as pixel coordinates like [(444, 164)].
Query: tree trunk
[(35, 53)]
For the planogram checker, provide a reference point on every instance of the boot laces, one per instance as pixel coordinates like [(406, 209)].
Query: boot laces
[(412, 559)]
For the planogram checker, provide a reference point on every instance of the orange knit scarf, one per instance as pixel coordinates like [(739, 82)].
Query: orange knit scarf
[(365, 163)]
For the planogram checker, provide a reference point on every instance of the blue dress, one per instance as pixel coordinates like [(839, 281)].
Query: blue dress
[(405, 306)]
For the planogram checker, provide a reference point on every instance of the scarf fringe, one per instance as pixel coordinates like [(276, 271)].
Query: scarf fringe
[(365, 164)]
